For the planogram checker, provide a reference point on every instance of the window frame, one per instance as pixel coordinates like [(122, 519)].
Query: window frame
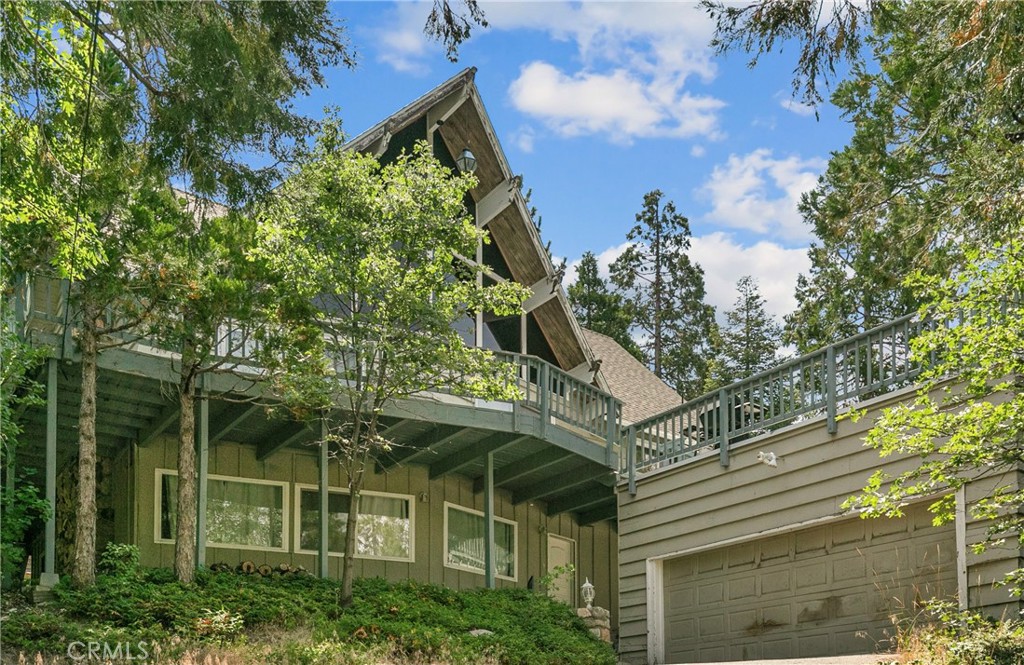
[(515, 543), (297, 522), (285, 511)]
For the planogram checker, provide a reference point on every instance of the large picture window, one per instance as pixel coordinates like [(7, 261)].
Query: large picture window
[(464, 542), (242, 513), (384, 526)]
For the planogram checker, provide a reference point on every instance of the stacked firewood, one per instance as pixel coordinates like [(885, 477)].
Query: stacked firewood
[(265, 570)]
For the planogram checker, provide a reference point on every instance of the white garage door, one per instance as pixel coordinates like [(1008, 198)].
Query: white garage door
[(824, 591)]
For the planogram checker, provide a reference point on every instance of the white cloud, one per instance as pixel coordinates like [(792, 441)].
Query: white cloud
[(634, 72), (698, 151), (403, 44), (760, 193), (617, 104), (775, 268), (524, 138), (796, 107), (635, 67)]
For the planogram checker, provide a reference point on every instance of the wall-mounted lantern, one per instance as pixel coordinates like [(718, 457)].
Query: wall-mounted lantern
[(466, 161)]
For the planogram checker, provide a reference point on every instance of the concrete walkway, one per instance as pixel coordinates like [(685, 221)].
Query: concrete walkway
[(832, 660)]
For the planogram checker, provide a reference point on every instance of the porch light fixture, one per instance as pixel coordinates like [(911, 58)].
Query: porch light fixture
[(588, 593), (466, 161)]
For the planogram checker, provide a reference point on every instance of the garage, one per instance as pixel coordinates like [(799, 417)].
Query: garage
[(828, 590)]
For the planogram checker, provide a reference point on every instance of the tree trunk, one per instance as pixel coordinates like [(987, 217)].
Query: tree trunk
[(347, 568), (185, 535), (83, 571)]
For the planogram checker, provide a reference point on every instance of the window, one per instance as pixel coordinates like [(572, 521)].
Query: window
[(384, 526), (464, 542), (247, 514)]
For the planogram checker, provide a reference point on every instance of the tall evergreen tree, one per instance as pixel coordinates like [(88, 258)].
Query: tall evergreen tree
[(749, 340), (600, 309), (666, 292)]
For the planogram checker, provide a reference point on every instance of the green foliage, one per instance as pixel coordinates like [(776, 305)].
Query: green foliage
[(600, 309), (20, 500), (968, 417), (119, 560), (402, 622), (665, 291), (961, 638)]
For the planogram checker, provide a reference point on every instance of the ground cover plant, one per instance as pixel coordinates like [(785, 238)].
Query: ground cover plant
[(296, 619)]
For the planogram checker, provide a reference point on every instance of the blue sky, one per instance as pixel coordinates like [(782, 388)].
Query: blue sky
[(596, 103)]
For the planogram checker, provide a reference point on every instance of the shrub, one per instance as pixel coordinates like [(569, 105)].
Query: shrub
[(405, 622)]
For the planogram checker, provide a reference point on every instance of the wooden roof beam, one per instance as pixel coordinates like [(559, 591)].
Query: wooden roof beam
[(475, 451), (425, 443), (580, 500), (158, 425), (517, 470), (281, 438), (442, 110), (226, 424), (541, 292), (495, 201), (559, 483), (607, 511)]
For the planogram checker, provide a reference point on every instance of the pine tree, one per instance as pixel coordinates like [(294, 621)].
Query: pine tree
[(749, 340), (600, 309), (665, 290)]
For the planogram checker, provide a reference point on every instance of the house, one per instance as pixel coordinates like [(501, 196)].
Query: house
[(543, 468)]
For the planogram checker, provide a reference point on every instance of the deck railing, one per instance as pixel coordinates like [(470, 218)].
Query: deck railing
[(40, 302), (818, 383), (556, 394)]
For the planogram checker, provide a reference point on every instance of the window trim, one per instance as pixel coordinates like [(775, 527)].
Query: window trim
[(297, 523), (515, 543), (285, 511)]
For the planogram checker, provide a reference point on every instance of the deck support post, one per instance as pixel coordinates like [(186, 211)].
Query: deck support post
[(631, 459), (489, 568), (322, 555), (49, 577), (723, 426), (612, 431), (544, 383), (203, 470), (830, 389)]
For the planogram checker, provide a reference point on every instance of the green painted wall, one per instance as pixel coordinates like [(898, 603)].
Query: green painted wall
[(595, 544)]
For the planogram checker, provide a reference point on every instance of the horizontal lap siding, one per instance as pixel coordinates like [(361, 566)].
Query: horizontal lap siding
[(595, 544), (700, 503)]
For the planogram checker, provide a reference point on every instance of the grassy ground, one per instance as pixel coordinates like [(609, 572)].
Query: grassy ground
[(295, 619)]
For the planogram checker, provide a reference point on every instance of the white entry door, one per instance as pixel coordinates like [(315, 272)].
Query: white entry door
[(561, 554)]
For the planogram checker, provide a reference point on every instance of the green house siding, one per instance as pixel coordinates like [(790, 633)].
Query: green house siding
[(595, 543)]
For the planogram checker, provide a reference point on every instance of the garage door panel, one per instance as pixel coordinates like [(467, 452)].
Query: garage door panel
[(827, 591), (810, 542), (775, 582), (741, 588)]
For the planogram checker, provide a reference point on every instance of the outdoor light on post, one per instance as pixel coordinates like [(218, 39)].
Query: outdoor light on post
[(588, 593), (466, 161)]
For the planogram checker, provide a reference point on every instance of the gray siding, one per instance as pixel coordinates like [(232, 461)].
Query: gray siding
[(699, 504), (595, 544)]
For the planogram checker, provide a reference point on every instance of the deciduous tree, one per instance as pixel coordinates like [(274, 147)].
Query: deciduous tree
[(373, 248)]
